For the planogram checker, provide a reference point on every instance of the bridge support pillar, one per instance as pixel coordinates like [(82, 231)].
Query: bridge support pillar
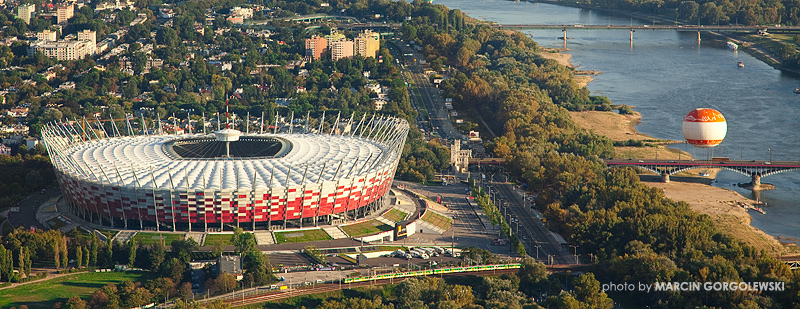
[(756, 181), (698, 36), (665, 177)]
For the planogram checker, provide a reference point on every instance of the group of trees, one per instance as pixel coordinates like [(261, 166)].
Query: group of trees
[(635, 232), (507, 291), (24, 173), (22, 248), (712, 12)]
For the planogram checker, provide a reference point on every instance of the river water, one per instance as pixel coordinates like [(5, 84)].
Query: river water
[(666, 74)]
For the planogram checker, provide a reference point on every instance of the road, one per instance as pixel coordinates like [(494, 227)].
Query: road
[(467, 230), (429, 96), (530, 229)]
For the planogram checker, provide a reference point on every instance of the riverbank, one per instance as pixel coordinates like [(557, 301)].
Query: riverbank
[(582, 78), (690, 187), (718, 203)]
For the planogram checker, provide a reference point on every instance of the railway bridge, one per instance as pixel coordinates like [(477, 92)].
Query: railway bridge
[(754, 169)]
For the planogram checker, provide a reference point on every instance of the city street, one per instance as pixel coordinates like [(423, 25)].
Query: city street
[(530, 227)]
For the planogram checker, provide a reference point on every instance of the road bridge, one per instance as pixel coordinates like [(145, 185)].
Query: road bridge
[(656, 27), (755, 169)]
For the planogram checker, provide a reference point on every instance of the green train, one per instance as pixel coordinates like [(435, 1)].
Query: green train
[(427, 272)]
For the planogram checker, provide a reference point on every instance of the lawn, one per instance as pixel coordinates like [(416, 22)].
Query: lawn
[(437, 220), (395, 215), (218, 239), (152, 238), (56, 223), (365, 228), (301, 236), (45, 294)]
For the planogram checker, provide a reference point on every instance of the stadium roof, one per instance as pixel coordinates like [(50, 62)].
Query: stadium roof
[(142, 161)]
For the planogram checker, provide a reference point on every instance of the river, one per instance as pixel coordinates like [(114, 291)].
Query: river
[(666, 74)]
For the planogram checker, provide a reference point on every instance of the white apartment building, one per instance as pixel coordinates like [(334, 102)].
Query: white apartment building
[(46, 35), (64, 50), (64, 12), (88, 35), (25, 12)]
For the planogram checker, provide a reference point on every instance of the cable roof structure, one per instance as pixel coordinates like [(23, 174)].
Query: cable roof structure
[(159, 180)]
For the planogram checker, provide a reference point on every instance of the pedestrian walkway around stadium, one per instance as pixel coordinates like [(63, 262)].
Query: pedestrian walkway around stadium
[(402, 209)]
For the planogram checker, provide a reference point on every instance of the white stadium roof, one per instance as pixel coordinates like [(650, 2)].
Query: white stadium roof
[(149, 161), (126, 159)]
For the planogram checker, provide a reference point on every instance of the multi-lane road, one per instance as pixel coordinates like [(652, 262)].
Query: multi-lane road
[(530, 229), (532, 232)]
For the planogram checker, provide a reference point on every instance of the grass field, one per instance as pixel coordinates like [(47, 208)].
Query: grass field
[(56, 223), (395, 215), (152, 238), (221, 239), (301, 236), (365, 228), (45, 294), (437, 220)]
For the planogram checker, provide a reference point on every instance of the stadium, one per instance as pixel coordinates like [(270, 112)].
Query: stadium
[(225, 179)]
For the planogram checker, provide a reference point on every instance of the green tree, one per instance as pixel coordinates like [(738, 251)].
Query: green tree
[(75, 302), (132, 247), (79, 256)]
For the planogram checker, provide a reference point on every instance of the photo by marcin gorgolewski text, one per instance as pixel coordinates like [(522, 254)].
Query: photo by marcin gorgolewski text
[(693, 286)]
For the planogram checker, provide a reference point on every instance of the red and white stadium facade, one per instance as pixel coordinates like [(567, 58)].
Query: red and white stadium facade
[(138, 181)]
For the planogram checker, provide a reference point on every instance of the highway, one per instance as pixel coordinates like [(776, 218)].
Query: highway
[(531, 231), (429, 95)]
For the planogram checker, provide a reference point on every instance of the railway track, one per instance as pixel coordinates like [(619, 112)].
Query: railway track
[(272, 295)]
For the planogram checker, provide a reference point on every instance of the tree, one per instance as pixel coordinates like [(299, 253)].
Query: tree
[(85, 256), (75, 302), (110, 252), (225, 282), (56, 258), (79, 256), (63, 250), (93, 250), (156, 255), (131, 252), (587, 290)]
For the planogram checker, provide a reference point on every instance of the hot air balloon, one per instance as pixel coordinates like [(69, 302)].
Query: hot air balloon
[(704, 127)]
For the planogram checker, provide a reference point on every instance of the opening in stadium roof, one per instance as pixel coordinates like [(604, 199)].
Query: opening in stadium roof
[(211, 148)]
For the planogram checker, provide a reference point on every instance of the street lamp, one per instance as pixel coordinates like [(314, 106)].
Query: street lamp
[(770, 154)]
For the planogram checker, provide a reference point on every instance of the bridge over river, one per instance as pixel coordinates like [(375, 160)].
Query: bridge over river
[(662, 27), (755, 169)]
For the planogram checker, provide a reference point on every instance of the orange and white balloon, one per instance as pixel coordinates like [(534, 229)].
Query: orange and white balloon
[(704, 127)]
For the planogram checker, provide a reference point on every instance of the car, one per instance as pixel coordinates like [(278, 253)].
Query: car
[(767, 163)]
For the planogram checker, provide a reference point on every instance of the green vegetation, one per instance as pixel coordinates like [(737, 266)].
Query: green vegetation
[(365, 228), (45, 294), (152, 238), (213, 240), (437, 220), (315, 255), (56, 223), (395, 215), (507, 291), (24, 174), (301, 236)]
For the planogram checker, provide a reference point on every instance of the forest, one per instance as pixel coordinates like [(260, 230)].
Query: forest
[(636, 233)]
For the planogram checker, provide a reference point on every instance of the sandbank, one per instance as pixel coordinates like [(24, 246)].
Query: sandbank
[(718, 203)]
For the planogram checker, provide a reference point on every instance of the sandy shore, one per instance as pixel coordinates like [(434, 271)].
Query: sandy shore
[(720, 204), (563, 59)]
